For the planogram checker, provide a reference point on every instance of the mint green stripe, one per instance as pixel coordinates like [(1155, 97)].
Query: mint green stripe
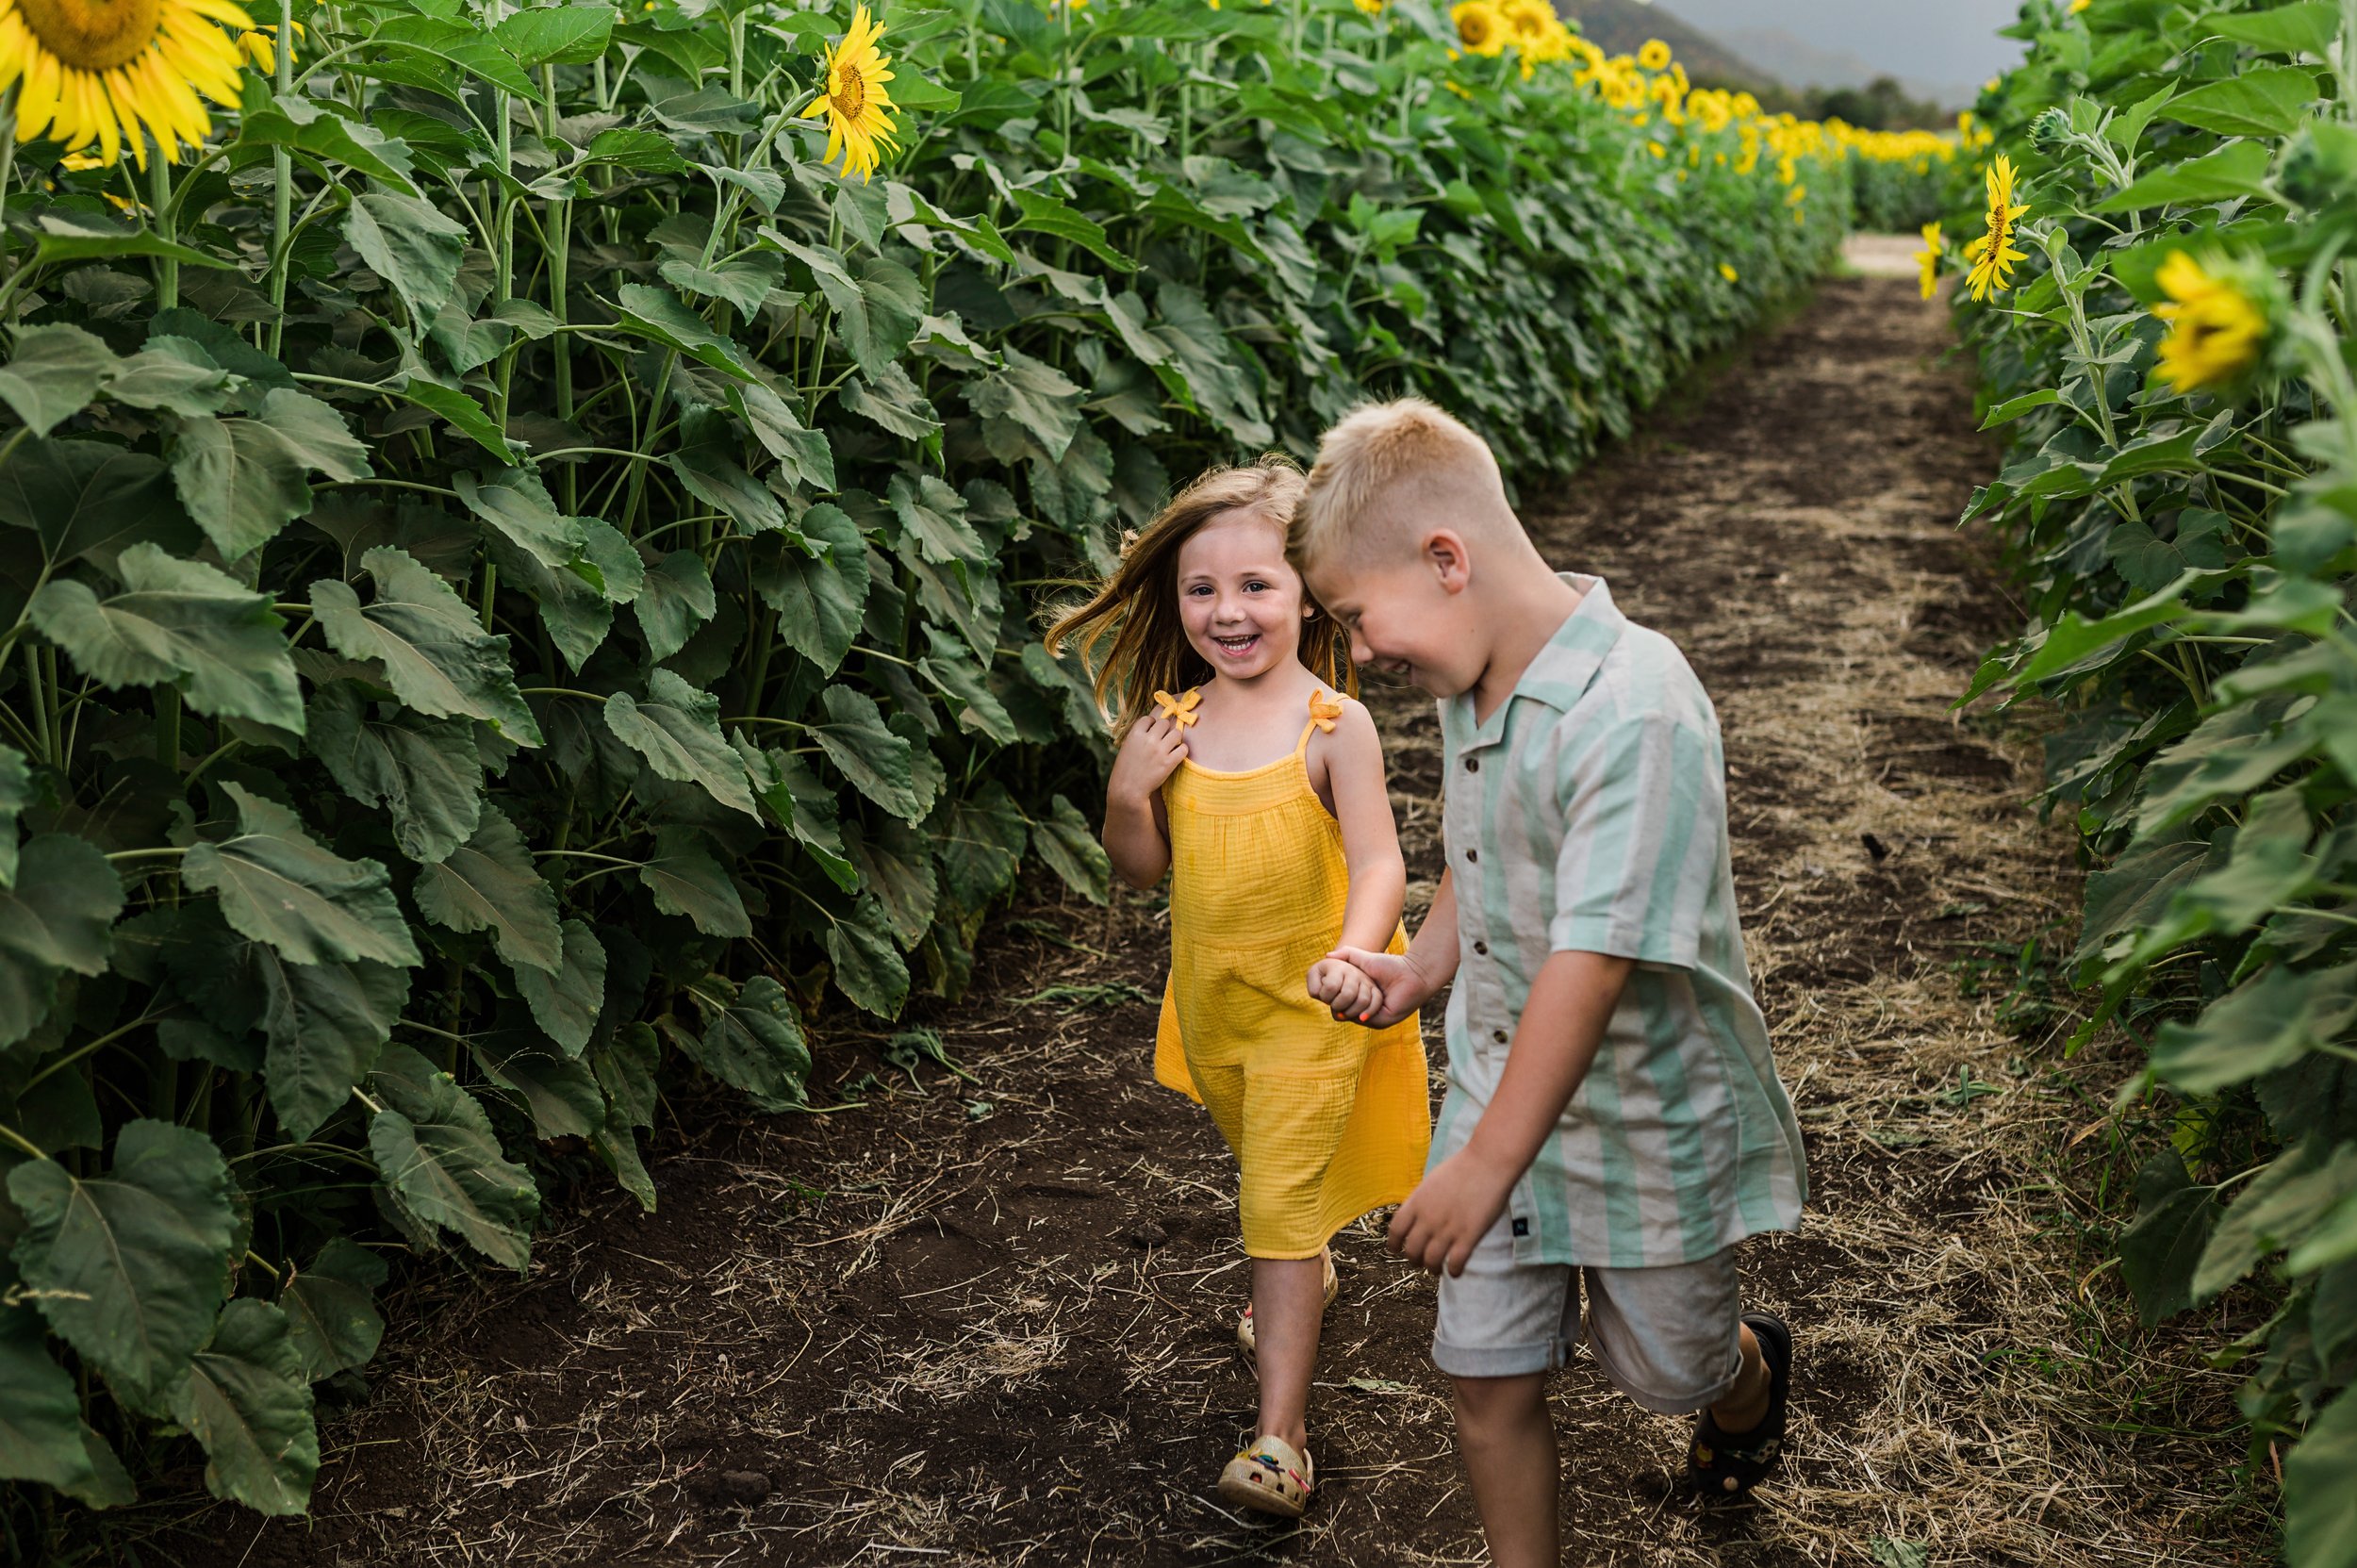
[(1689, 1164)]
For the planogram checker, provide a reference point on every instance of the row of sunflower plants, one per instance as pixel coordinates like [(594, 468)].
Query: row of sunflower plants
[(2163, 290), (523, 532)]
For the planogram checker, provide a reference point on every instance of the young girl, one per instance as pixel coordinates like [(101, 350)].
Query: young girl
[(1259, 788)]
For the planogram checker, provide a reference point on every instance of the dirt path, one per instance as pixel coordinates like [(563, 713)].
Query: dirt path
[(989, 1323)]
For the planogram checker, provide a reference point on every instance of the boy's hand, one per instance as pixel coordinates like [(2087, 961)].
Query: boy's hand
[(1345, 989), (1450, 1210), (1151, 754), (1401, 986)]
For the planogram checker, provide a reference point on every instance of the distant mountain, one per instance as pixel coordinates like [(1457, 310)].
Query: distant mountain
[(1796, 63), (1622, 27)]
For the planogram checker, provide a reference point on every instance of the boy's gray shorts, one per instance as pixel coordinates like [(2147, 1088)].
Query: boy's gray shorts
[(1669, 1338)]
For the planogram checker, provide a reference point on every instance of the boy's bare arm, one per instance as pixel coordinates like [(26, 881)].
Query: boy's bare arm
[(1561, 1030), (1408, 982)]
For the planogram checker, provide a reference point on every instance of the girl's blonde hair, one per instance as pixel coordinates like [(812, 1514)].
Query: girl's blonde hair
[(1133, 615)]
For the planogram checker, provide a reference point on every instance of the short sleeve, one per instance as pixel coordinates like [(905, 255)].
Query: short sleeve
[(1644, 808)]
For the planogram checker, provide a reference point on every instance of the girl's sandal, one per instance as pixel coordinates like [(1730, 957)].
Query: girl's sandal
[(1270, 1477), (1723, 1468), (1250, 1341)]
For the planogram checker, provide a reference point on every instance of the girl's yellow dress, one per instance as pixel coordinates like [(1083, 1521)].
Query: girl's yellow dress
[(1326, 1119)]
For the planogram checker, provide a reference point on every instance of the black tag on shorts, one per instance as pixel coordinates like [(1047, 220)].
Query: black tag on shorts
[(1522, 1228)]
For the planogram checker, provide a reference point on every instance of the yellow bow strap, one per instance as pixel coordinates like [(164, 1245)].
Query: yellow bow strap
[(1324, 711), (1180, 710)]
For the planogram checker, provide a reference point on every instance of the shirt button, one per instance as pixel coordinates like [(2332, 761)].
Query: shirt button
[(1499, 1035), (1472, 855), (1472, 765), (1482, 948)]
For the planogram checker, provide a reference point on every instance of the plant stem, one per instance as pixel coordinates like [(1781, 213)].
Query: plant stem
[(159, 197), (282, 187)]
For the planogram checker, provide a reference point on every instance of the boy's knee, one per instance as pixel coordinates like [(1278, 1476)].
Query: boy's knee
[(1499, 1405)]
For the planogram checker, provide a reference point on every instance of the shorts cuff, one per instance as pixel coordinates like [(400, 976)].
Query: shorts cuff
[(1664, 1404), (1498, 1361)]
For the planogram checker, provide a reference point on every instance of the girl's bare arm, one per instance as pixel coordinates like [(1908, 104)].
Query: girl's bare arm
[(1137, 834), (1362, 807)]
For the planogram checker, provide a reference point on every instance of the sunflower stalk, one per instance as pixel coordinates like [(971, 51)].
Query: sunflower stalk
[(8, 161), (167, 227), (281, 187)]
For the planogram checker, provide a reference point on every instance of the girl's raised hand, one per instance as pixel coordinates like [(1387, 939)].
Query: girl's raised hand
[(1151, 754), (1345, 989)]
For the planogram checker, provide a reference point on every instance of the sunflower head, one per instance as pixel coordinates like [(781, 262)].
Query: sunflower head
[(1994, 253), (1927, 259), (1655, 56), (2219, 320), (1529, 22), (1480, 26), (111, 74), (853, 100)]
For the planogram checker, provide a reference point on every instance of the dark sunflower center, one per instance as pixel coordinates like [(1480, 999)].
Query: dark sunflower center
[(850, 93), (94, 35)]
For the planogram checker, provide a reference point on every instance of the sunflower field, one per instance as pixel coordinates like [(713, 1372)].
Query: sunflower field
[(2161, 285), (523, 527)]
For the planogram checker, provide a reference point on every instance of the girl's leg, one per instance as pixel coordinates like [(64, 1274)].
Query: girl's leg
[(1287, 1303), (1507, 1438)]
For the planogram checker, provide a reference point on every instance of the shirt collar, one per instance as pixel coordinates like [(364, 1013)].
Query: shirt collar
[(1562, 672)]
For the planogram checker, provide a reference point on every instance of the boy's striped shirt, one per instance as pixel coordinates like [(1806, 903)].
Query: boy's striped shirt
[(1589, 813)]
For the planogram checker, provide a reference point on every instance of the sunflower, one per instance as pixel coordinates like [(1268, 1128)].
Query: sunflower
[(2217, 330), (1993, 253), (1529, 21), (1370, 7), (854, 101), (1927, 259), (112, 71), (1480, 26), (1727, 271), (1655, 56)]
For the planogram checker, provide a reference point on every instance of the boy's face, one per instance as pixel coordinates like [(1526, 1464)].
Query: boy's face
[(1240, 602), (1409, 614)]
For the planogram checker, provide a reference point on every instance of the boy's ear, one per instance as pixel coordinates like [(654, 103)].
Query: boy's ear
[(1445, 555)]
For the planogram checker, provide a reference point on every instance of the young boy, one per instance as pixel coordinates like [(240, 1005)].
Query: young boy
[(1612, 1109)]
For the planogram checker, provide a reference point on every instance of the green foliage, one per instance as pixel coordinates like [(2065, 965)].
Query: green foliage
[(2181, 498), (521, 583)]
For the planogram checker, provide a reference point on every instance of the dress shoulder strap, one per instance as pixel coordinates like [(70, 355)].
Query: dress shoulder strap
[(1325, 712)]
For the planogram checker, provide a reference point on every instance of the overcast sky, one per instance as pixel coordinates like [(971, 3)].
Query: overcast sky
[(1941, 41)]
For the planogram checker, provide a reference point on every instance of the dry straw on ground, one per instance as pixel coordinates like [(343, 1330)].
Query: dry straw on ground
[(989, 1322)]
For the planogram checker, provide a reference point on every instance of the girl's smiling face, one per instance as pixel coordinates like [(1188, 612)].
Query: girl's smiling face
[(1242, 605)]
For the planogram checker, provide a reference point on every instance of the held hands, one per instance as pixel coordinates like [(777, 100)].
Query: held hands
[(1151, 754), (1450, 1210), (1372, 988)]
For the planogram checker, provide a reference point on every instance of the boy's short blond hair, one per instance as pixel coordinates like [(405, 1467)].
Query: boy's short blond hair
[(1386, 466)]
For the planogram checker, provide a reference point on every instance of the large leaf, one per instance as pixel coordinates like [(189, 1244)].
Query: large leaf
[(2158, 1254), (435, 1151), (59, 915), (686, 880), (248, 1401), (752, 1040), (818, 601), (179, 623), (2272, 1019), (324, 1024), (677, 730), (869, 968), (2270, 101), (2320, 1504), (94, 500), (518, 505), (53, 375), (712, 477), (280, 885), (16, 793), (559, 1093), (129, 1267), (41, 1410), (2237, 169), (425, 773), (243, 480), (411, 245), (877, 761), (1066, 842), (555, 35), (566, 1004), (1032, 396), (898, 867), (659, 314), (676, 598), (489, 884), (332, 1319), (437, 655)]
